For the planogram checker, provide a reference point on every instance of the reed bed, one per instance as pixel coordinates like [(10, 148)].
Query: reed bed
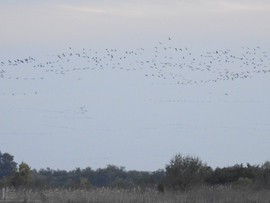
[(138, 195)]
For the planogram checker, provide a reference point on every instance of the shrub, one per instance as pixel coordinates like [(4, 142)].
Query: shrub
[(183, 172)]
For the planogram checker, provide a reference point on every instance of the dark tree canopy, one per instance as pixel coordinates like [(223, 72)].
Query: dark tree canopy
[(185, 171), (7, 165), (181, 173)]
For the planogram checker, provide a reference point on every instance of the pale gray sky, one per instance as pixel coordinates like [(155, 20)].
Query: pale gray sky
[(131, 83)]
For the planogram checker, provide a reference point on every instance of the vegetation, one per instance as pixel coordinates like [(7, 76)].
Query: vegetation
[(7, 165), (183, 172), (185, 179), (21, 176), (221, 194)]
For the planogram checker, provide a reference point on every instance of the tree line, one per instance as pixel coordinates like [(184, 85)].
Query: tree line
[(181, 173)]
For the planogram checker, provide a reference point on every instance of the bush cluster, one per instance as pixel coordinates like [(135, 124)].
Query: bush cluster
[(181, 173)]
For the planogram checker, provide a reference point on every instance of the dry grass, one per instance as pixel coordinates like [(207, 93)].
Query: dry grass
[(138, 195)]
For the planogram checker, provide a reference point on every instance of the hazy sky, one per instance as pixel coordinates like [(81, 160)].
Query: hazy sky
[(131, 83)]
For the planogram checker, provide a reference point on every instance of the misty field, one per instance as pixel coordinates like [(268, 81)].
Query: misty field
[(106, 195)]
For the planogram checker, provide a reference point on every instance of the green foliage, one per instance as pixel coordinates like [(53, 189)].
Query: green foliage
[(262, 175), (109, 176), (7, 165), (233, 173), (83, 182), (243, 182), (21, 176), (266, 174), (183, 172), (5, 182)]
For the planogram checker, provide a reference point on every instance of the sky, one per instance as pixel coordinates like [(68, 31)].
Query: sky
[(132, 83)]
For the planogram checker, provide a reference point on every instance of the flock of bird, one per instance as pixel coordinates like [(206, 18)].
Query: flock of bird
[(203, 101), (162, 64), (165, 64)]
